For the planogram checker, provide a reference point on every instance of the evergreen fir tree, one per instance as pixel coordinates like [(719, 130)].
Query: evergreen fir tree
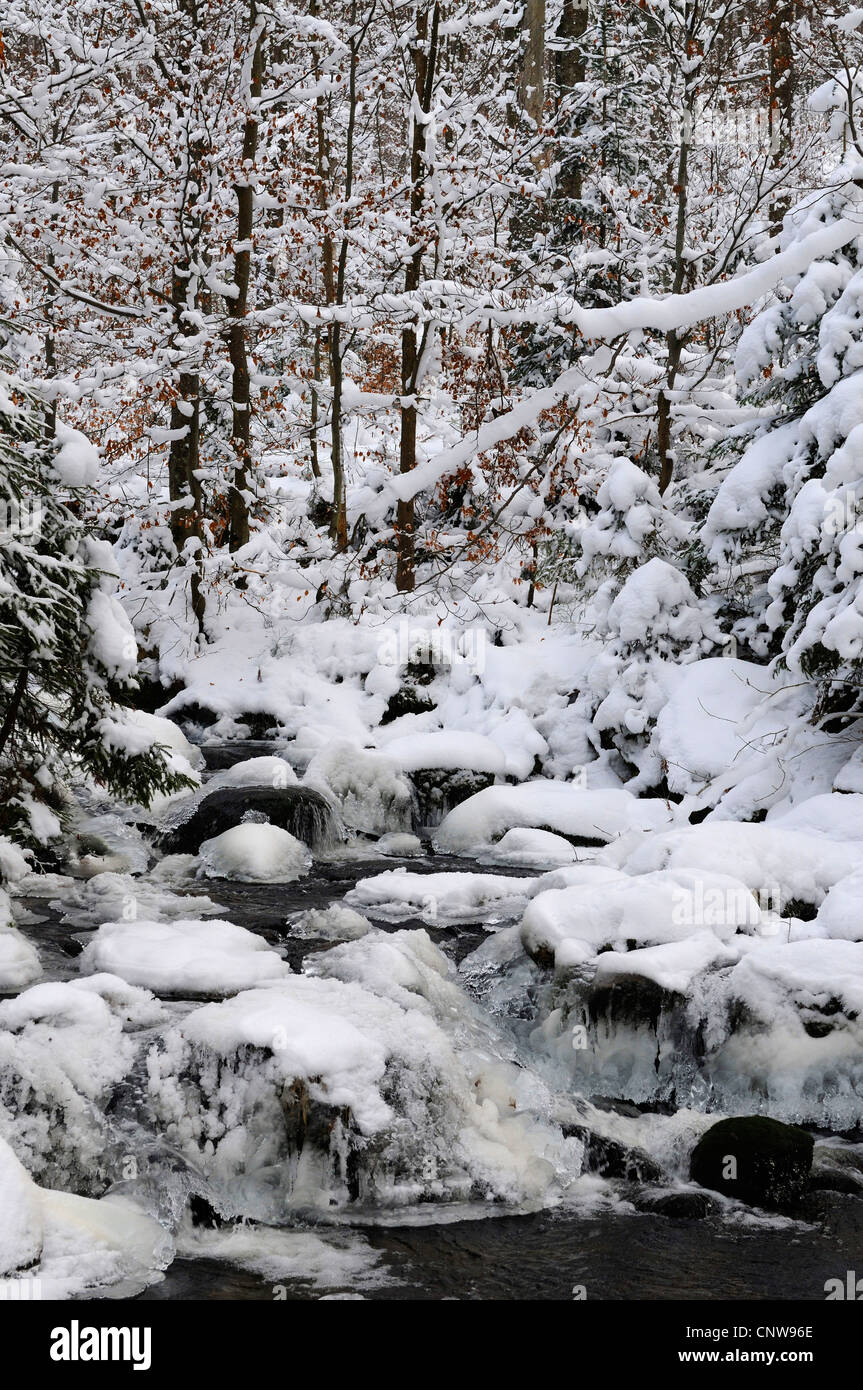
[(67, 651)]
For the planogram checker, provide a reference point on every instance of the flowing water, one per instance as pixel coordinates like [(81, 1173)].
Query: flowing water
[(602, 1250)]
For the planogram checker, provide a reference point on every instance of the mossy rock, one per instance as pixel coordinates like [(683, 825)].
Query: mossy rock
[(756, 1160)]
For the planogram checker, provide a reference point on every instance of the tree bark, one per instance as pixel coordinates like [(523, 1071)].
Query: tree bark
[(570, 71), (780, 101), (425, 53), (238, 307), (532, 86)]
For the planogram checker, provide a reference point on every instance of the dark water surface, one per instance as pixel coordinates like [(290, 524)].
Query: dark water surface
[(549, 1256)]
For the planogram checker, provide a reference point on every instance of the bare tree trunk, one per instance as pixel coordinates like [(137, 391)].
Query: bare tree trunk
[(532, 85), (323, 344), (238, 305), (184, 454), (674, 342), (781, 88), (339, 516), (425, 49), (570, 71)]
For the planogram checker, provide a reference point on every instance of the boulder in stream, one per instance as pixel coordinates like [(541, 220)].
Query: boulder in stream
[(754, 1159)]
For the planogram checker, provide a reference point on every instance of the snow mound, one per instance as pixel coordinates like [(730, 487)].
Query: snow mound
[(398, 845), (19, 961), (255, 853), (184, 957), (448, 749), (447, 897), (255, 772), (56, 1245), (782, 865), (569, 926), (593, 816), (837, 815), (334, 923), (532, 849), (840, 916)]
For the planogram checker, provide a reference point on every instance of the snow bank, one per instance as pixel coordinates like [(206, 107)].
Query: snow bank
[(593, 816), (255, 853), (184, 957)]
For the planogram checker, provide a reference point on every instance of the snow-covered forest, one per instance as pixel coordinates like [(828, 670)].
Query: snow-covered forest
[(431, 636)]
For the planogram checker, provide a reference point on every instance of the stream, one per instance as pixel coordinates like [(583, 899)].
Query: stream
[(600, 1249)]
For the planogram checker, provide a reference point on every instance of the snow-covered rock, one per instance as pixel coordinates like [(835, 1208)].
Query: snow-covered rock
[(399, 845), (183, 957), (449, 749), (840, 916), (63, 1049), (371, 1080), (440, 898), (531, 849), (255, 853), (781, 865), (269, 771), (333, 923), (19, 960), (569, 926), (592, 816), (64, 1245)]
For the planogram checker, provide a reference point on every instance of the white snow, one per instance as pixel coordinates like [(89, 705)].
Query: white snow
[(573, 924), (531, 849), (270, 771), (448, 749), (780, 864), (440, 897), (255, 853), (399, 845), (183, 957), (19, 960), (474, 826), (673, 965), (59, 1245)]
